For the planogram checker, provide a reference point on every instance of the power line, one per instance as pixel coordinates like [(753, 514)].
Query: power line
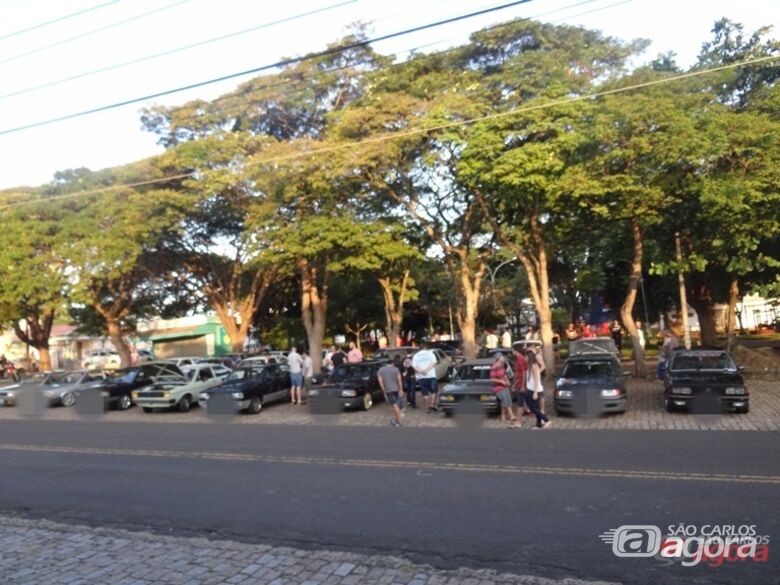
[(92, 32), (278, 64), (238, 108), (56, 20), (175, 50), (409, 133)]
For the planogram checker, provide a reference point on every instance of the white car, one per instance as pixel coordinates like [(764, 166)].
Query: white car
[(172, 391), (97, 359), (183, 361)]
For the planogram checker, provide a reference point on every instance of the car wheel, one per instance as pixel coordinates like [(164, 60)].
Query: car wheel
[(148, 409), (124, 402), (68, 399), (184, 404), (255, 406), (368, 401)]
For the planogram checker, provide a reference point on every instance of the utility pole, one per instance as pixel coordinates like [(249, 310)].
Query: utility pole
[(683, 297)]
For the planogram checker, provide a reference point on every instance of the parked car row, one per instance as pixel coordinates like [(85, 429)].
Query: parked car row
[(591, 382)]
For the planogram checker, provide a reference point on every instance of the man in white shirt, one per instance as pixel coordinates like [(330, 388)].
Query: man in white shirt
[(424, 364), (308, 374), (295, 363)]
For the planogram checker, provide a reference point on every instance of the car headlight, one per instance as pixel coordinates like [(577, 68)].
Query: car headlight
[(611, 393), (135, 394), (446, 398), (682, 390), (348, 393), (237, 395), (565, 394), (735, 390), (166, 395)]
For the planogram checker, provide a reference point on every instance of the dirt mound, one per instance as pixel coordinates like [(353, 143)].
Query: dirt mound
[(760, 363)]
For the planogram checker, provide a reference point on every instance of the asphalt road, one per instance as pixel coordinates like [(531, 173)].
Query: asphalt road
[(532, 502)]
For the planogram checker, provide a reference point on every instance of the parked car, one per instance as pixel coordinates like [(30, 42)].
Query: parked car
[(349, 386), (62, 387), (9, 394), (251, 387), (589, 385), (704, 381), (470, 390), (591, 345), (96, 359), (261, 360), (526, 344), (180, 392), (225, 361), (118, 386)]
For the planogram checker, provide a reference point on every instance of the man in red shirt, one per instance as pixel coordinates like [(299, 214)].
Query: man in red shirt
[(500, 383), (521, 367)]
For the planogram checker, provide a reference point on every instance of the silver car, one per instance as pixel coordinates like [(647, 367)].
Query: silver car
[(62, 388)]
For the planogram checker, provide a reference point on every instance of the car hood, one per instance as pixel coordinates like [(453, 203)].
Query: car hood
[(231, 386), (591, 382)]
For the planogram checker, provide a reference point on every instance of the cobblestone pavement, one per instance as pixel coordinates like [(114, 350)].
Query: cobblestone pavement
[(39, 552), (645, 412)]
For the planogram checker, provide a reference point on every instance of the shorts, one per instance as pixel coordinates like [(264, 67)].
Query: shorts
[(504, 398), (427, 386), (393, 398), (296, 380), (520, 397)]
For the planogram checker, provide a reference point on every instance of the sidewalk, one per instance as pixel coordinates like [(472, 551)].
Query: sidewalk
[(39, 552)]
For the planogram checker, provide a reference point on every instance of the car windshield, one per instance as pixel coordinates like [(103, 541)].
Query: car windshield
[(590, 369), (124, 376), (714, 360), (474, 372), (351, 372), (592, 346), (240, 374), (63, 378)]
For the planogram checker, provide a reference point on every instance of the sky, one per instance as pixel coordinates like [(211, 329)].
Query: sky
[(109, 34)]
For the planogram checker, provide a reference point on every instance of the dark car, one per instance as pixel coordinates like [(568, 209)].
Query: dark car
[(118, 386), (704, 381), (349, 386), (589, 385), (470, 390), (249, 389)]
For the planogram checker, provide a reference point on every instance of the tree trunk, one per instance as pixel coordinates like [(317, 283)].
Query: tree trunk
[(314, 306), (394, 308), (731, 321), (627, 310), (118, 341), (468, 304), (701, 301), (237, 332), (37, 335)]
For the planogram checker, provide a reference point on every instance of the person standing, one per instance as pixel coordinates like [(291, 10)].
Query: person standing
[(355, 355), (506, 338), (308, 374), (295, 364), (338, 358), (500, 385), (521, 367), (390, 381), (534, 393), (410, 380), (327, 359), (571, 332), (617, 335), (491, 340), (424, 364), (667, 347)]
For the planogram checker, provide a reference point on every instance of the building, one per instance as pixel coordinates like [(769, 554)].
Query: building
[(198, 335)]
